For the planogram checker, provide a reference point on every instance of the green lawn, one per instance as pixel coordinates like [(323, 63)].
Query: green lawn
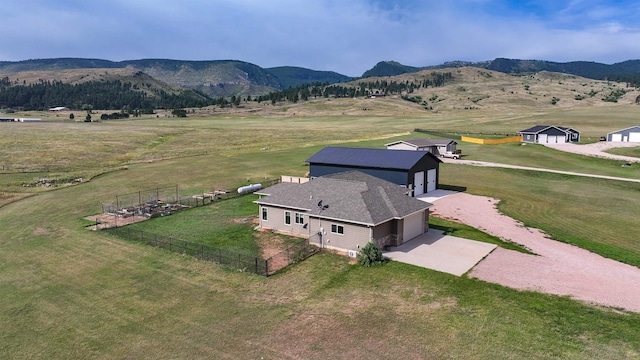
[(626, 151), (67, 292), (223, 225), (468, 232)]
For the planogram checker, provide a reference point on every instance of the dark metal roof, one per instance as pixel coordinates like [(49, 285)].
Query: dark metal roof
[(568, 129), (351, 196), (624, 130), (534, 130), (539, 128), (371, 158)]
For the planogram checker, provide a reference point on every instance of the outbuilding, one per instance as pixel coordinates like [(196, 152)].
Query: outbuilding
[(434, 146), (550, 134), (416, 170), (631, 134)]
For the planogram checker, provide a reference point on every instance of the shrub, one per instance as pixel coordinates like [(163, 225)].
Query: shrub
[(371, 255)]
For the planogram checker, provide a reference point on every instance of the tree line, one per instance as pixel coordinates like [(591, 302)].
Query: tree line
[(100, 94), (129, 96), (362, 89)]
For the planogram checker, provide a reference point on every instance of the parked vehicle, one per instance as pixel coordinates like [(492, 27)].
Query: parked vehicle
[(451, 154)]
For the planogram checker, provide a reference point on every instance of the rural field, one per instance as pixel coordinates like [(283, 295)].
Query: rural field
[(68, 292)]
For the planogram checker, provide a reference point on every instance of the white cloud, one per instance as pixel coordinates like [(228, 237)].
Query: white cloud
[(344, 36)]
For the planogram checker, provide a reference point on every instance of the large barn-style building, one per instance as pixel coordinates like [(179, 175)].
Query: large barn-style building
[(416, 170)]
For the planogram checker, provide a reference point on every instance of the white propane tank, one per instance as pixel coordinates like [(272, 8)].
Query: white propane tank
[(249, 188)]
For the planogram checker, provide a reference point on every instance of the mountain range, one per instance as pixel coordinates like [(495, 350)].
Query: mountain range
[(587, 69), (216, 78), (225, 78)]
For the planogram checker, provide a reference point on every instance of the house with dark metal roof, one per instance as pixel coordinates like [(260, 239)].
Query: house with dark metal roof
[(434, 146), (550, 134), (415, 170), (344, 211), (631, 134)]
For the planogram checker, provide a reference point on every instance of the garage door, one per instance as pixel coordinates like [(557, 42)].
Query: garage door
[(554, 139), (418, 183), (634, 137), (431, 180), (412, 227), (616, 137), (561, 139), (542, 138)]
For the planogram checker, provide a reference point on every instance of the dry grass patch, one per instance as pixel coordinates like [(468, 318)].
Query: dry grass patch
[(8, 198)]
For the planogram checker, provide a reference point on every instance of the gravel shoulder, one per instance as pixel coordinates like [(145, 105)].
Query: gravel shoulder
[(558, 268)]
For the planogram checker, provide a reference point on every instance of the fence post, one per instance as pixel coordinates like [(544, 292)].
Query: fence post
[(256, 265), (219, 256), (266, 267)]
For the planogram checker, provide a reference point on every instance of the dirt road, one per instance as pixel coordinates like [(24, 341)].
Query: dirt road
[(597, 149), (558, 268), (507, 166)]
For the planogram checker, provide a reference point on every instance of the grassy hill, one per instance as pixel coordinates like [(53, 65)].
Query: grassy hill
[(78, 76), (389, 68), (472, 90), (109, 88), (466, 88), (215, 78), (291, 76), (624, 71)]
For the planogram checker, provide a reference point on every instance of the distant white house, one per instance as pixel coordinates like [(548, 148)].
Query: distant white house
[(545, 134), (434, 146), (631, 134), (28, 119), (59, 108)]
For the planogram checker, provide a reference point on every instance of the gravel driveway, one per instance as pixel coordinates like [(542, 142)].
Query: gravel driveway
[(558, 268), (597, 149)]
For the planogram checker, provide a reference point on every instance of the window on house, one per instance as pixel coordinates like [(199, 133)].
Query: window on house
[(337, 229), (264, 214), (287, 217), (299, 218)]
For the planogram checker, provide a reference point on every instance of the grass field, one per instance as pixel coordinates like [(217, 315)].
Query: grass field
[(67, 292), (630, 151)]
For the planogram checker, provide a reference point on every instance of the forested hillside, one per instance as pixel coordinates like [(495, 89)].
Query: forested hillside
[(627, 71)]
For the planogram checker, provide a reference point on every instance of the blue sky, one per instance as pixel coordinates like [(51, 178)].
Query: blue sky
[(346, 36)]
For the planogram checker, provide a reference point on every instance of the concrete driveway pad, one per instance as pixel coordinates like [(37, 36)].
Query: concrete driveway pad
[(436, 251)]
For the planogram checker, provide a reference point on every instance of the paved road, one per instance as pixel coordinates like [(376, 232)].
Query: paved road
[(507, 166)]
